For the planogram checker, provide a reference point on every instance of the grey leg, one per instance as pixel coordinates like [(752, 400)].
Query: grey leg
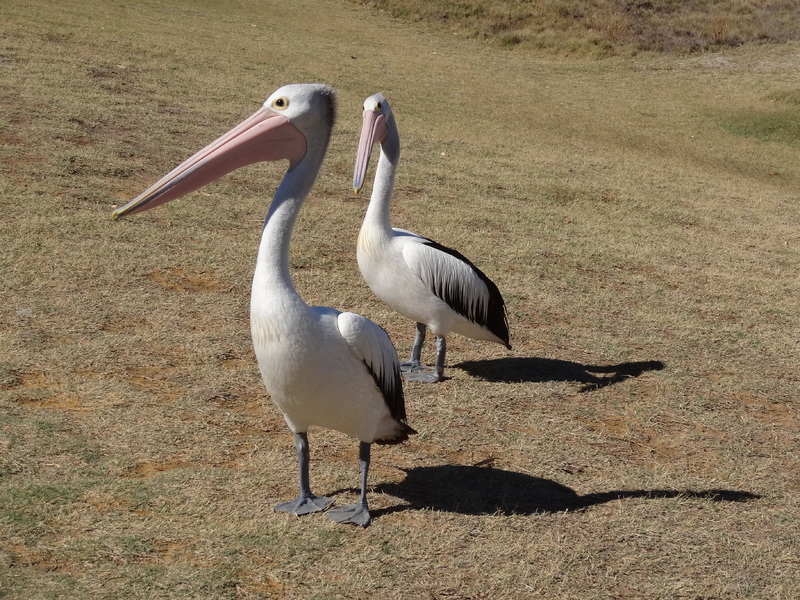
[(441, 351), (423, 374), (416, 349), (358, 513), (306, 502)]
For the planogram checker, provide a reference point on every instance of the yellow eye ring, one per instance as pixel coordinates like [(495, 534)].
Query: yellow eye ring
[(281, 103), (379, 106)]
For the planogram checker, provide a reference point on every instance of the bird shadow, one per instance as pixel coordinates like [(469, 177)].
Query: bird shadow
[(482, 490), (535, 369)]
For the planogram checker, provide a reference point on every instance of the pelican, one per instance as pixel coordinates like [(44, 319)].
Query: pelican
[(435, 286), (322, 367)]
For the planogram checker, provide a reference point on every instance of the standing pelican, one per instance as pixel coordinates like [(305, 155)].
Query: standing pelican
[(434, 285), (322, 367)]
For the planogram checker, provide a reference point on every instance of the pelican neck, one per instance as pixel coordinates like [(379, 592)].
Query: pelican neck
[(272, 274), (378, 211)]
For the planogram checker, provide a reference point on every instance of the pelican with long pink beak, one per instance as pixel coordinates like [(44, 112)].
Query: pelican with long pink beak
[(431, 284), (322, 367)]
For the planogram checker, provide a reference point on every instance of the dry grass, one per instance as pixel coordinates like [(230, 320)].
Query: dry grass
[(607, 27), (640, 216)]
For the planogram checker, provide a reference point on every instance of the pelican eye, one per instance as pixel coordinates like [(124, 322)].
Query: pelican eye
[(379, 106), (281, 103)]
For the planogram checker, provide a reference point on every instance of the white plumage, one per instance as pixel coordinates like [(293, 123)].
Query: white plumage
[(322, 367), (434, 285)]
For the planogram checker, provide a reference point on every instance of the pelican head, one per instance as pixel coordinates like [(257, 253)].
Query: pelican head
[(280, 129), (377, 121)]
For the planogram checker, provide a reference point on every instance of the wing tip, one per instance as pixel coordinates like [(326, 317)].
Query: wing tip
[(400, 436)]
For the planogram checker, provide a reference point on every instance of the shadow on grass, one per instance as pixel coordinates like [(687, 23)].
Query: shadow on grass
[(477, 490), (522, 369)]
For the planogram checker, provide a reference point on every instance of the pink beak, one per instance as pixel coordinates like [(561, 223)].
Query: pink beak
[(264, 136), (373, 129)]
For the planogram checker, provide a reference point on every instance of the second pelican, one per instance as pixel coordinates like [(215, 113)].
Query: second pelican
[(436, 286)]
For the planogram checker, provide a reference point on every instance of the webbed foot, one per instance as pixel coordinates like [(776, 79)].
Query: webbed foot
[(302, 505), (411, 365), (357, 514), (420, 373)]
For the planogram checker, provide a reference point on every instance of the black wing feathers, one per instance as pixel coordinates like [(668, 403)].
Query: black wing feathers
[(493, 317)]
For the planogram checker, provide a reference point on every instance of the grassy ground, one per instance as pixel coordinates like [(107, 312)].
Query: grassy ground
[(607, 27), (640, 216)]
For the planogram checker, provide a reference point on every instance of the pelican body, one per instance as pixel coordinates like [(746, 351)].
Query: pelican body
[(322, 367), (427, 282)]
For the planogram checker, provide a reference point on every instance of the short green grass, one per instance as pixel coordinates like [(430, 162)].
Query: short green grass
[(639, 213), (780, 124)]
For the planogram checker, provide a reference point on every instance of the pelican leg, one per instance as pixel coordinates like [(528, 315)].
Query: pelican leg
[(306, 502), (416, 350), (423, 374), (441, 351), (357, 513)]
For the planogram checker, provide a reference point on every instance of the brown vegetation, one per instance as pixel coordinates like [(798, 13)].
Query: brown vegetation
[(608, 27), (639, 214)]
